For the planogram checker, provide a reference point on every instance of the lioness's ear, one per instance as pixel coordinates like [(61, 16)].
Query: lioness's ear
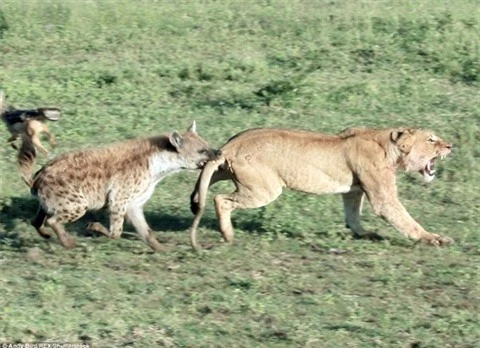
[(193, 127), (401, 137), (176, 140), (396, 134)]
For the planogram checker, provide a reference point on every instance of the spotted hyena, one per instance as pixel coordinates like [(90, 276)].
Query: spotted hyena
[(120, 177)]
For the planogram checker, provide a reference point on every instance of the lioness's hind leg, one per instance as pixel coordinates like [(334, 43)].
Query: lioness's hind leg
[(252, 196), (216, 177), (352, 205)]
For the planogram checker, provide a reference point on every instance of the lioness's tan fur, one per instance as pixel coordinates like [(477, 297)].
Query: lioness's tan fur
[(354, 163), (121, 177)]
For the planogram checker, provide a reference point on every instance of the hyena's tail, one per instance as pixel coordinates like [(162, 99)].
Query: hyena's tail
[(199, 196), (26, 159)]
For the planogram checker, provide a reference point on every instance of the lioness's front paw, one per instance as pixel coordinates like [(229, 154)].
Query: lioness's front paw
[(369, 236), (438, 240)]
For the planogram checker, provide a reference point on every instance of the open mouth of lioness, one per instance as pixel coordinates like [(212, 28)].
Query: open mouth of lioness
[(428, 171)]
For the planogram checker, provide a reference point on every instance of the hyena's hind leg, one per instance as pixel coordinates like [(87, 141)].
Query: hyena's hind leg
[(39, 223), (59, 218)]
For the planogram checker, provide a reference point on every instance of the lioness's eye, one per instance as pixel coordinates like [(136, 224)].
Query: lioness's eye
[(203, 151), (431, 140)]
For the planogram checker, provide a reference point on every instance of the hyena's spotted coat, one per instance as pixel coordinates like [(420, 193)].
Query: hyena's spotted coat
[(121, 177)]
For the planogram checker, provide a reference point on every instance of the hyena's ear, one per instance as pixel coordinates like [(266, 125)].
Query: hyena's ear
[(193, 127), (176, 140)]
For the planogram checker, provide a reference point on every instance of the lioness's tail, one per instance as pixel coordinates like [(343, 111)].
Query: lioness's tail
[(199, 196), (3, 106), (26, 159), (2, 102)]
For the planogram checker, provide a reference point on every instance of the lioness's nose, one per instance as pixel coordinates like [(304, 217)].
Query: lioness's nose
[(449, 146)]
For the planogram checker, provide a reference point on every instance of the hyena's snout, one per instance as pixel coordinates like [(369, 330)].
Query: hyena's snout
[(216, 154), (210, 154)]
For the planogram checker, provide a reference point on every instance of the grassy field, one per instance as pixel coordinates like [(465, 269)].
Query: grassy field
[(293, 277)]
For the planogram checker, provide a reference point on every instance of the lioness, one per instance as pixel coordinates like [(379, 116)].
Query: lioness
[(121, 177), (355, 163)]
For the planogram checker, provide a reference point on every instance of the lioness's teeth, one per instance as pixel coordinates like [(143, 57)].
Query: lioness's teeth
[(442, 157)]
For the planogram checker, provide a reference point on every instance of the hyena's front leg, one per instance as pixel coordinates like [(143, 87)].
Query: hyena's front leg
[(117, 217), (137, 218)]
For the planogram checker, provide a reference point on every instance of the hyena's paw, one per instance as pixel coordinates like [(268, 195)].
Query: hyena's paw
[(44, 233), (438, 240), (98, 227), (67, 241), (153, 243)]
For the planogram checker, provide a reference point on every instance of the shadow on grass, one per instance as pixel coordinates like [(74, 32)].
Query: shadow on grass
[(24, 209)]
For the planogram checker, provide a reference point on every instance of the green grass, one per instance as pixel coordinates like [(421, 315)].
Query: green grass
[(293, 277)]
